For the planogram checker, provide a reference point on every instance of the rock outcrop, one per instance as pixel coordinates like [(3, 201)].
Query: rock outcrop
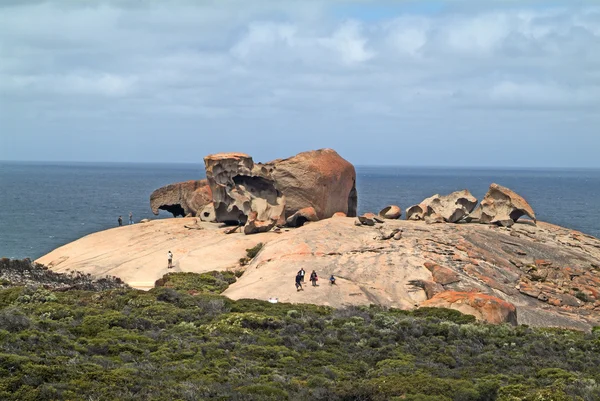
[(240, 187), (549, 273), (307, 187), (451, 208), (501, 206), (391, 212), (484, 307), (321, 179), (184, 198)]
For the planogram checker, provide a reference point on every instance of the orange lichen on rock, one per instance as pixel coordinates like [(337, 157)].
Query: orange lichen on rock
[(484, 307)]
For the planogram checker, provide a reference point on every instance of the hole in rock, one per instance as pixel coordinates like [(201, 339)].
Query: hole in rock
[(176, 209)]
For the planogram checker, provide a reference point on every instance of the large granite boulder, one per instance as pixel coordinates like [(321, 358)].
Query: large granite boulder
[(501, 206), (240, 187), (184, 198), (484, 307), (321, 179), (451, 208), (307, 187)]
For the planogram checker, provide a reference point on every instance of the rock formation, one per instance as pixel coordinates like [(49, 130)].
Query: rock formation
[(302, 216), (549, 273), (307, 187), (183, 199), (240, 187), (501, 206), (451, 208), (321, 179), (484, 307), (391, 212)]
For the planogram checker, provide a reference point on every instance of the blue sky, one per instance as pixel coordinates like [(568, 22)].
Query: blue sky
[(420, 83)]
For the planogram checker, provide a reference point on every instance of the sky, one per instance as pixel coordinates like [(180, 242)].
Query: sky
[(466, 83)]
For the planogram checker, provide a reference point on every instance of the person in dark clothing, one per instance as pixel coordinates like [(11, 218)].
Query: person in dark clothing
[(314, 278), (299, 282), (120, 220), (302, 273), (332, 280)]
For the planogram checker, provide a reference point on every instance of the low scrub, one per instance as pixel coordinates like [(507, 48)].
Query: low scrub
[(183, 341)]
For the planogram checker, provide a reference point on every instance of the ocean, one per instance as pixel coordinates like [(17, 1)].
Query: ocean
[(46, 205)]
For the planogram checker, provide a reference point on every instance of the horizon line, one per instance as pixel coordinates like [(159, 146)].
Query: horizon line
[(355, 165)]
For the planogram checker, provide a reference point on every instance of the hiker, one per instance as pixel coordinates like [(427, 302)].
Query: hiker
[(314, 278), (299, 282), (120, 220), (302, 273), (130, 217), (170, 258), (332, 280)]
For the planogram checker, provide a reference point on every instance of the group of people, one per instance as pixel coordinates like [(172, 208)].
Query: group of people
[(120, 219), (313, 279)]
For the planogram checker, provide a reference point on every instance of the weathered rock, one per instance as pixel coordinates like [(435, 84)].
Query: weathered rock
[(366, 221), (391, 212), (418, 212), (484, 307), (442, 275), (388, 234), (501, 206), (254, 225), (321, 179), (431, 288), (302, 216), (339, 214), (452, 208), (239, 187), (182, 199), (434, 218)]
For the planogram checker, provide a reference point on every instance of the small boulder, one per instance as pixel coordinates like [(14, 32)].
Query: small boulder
[(484, 307), (501, 206), (366, 221), (302, 216), (339, 214), (254, 225), (391, 212)]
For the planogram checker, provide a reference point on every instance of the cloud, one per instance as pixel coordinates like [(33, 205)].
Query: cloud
[(326, 72)]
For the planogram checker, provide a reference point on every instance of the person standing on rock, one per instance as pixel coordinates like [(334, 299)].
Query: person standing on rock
[(299, 282), (120, 220), (332, 280), (130, 217), (314, 278), (302, 273), (170, 259)]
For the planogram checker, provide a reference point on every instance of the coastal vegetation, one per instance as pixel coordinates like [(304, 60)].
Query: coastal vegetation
[(183, 341)]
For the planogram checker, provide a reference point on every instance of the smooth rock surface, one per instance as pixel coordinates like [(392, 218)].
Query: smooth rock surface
[(485, 258), (320, 179)]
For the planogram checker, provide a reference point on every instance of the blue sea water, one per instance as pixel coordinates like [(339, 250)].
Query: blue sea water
[(46, 205)]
